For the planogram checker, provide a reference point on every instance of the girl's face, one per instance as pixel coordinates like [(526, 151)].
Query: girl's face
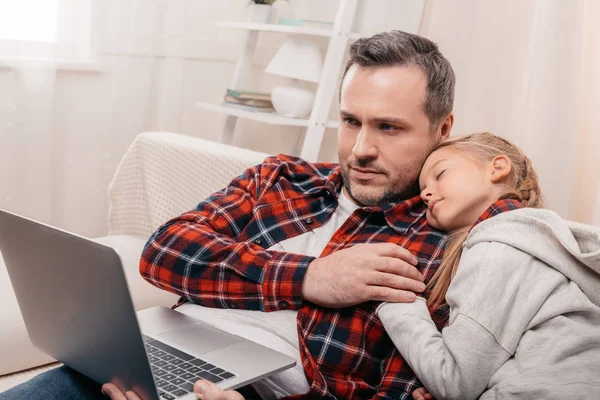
[(458, 189)]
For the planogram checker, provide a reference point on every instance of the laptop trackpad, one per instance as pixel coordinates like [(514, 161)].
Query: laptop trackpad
[(200, 338)]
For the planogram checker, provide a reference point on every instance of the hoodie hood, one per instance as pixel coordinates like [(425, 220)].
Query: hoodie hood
[(569, 247)]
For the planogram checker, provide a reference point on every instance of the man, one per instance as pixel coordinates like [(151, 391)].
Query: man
[(323, 239), (327, 240)]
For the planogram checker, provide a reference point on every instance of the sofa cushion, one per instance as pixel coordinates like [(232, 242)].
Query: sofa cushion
[(17, 351)]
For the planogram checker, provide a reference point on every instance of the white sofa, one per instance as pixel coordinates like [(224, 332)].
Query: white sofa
[(161, 175)]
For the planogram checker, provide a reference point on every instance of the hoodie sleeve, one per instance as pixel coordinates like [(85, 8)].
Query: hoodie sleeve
[(492, 301)]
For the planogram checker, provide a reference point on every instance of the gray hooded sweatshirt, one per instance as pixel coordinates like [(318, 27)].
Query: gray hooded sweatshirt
[(524, 314)]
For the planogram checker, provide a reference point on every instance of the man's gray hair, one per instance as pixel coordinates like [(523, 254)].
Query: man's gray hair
[(397, 48)]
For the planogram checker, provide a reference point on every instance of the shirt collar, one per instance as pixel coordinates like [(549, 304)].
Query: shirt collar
[(498, 207), (399, 216), (331, 186)]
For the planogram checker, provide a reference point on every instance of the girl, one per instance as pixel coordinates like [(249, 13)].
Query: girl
[(523, 286)]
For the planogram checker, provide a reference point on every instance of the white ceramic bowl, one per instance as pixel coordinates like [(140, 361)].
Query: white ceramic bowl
[(292, 102)]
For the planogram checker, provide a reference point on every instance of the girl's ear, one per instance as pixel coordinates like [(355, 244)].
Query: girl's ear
[(501, 167)]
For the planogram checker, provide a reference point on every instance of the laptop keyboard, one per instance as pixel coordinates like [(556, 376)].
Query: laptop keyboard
[(175, 372)]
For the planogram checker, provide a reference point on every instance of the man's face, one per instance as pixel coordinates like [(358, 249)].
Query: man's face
[(385, 135)]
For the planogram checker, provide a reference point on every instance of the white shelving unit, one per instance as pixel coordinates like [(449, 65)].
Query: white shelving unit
[(269, 118), (275, 28), (318, 120)]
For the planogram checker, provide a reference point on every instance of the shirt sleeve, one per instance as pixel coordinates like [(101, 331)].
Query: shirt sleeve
[(486, 323), (199, 256), (455, 365), (398, 381)]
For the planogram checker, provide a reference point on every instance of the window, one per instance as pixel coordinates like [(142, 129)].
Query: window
[(32, 20), (49, 29)]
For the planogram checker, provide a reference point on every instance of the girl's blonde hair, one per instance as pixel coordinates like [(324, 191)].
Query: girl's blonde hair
[(521, 185)]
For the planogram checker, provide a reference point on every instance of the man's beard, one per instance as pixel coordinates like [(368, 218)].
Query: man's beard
[(393, 193)]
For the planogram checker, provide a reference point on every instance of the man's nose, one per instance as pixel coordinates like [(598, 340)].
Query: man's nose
[(365, 146)]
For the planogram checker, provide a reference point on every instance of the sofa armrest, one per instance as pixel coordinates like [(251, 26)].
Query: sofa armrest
[(164, 174), (17, 351)]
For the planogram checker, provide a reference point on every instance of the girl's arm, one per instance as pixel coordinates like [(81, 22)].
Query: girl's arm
[(455, 365), (491, 305)]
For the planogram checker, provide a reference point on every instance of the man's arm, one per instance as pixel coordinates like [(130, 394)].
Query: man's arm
[(199, 256), (398, 381)]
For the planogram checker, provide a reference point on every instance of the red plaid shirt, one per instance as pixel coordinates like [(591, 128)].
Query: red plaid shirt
[(498, 207), (215, 256)]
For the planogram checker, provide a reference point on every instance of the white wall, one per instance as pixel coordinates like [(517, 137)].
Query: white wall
[(527, 70), (61, 143)]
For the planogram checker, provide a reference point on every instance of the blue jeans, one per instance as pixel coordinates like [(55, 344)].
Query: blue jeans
[(61, 383)]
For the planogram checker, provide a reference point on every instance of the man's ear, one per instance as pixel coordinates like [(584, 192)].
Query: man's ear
[(501, 167), (445, 126)]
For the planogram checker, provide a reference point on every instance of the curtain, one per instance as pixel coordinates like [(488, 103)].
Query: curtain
[(78, 82), (530, 71), (80, 79), (90, 75), (33, 35)]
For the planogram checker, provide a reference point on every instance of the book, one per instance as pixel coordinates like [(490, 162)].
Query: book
[(246, 94), (306, 23), (248, 102), (249, 108)]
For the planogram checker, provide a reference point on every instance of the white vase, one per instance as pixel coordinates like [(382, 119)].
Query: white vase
[(292, 102), (260, 13)]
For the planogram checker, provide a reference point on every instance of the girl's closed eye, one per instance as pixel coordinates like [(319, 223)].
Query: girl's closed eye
[(440, 174)]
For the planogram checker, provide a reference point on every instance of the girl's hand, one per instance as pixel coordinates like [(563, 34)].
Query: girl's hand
[(422, 394), (206, 390)]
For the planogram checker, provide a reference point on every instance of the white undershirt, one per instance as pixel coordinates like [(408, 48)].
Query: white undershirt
[(312, 243), (277, 330)]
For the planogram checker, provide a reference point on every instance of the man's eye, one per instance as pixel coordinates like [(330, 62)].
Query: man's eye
[(440, 174), (387, 127), (350, 121)]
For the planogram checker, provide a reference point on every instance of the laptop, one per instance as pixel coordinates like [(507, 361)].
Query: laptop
[(77, 308)]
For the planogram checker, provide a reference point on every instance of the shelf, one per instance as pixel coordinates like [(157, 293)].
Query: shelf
[(283, 28), (66, 65), (276, 28), (269, 118)]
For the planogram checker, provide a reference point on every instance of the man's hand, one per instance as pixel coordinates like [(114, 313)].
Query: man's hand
[(204, 390), (113, 392), (380, 272), (422, 394)]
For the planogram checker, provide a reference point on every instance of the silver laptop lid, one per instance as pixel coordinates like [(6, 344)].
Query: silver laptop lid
[(75, 302)]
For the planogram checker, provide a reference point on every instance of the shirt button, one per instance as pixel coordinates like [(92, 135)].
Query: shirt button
[(283, 304), (308, 221), (257, 241)]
